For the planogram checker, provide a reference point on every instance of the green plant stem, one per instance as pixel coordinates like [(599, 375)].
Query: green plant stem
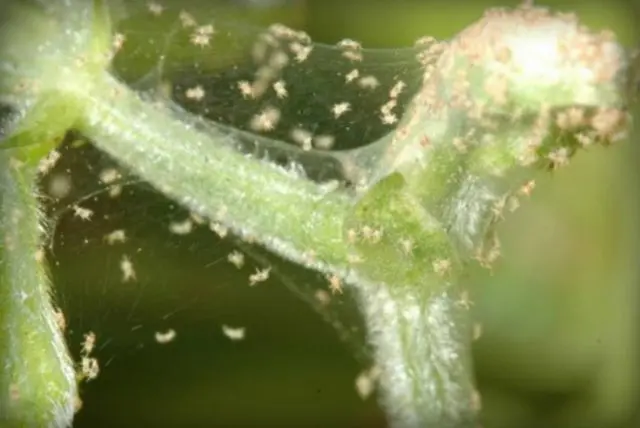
[(423, 348), (37, 380), (259, 201)]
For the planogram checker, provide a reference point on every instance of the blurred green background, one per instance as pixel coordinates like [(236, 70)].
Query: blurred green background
[(559, 315)]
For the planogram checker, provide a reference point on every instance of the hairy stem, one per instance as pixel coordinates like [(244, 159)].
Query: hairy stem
[(409, 296), (37, 377), (422, 347), (294, 217)]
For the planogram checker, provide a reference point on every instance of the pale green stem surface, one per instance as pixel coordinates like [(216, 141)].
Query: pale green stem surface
[(257, 200), (37, 376)]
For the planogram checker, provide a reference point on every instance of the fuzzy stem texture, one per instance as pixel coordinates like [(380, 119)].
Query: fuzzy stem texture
[(37, 376), (259, 201)]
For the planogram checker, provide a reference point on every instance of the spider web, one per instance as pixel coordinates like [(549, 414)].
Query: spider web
[(278, 94), (196, 63), (100, 217)]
